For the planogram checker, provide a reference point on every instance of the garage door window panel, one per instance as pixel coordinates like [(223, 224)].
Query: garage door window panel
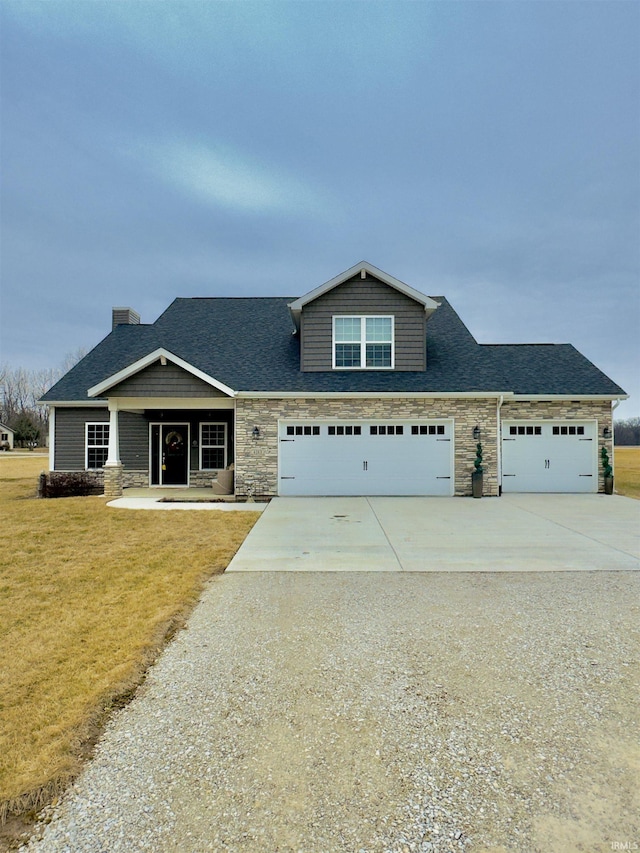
[(303, 430)]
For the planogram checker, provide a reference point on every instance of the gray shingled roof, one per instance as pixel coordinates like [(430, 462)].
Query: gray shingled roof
[(248, 344)]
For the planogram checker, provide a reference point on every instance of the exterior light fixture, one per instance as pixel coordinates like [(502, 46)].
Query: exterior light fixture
[(255, 433), (476, 433), (606, 432)]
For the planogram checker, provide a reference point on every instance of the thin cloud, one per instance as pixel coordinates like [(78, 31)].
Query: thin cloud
[(221, 177)]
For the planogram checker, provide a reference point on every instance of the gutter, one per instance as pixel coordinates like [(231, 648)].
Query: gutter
[(499, 443)]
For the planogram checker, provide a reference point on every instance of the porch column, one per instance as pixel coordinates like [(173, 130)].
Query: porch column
[(113, 457), (113, 479)]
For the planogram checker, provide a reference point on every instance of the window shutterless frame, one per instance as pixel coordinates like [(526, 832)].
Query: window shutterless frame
[(96, 444), (213, 446), (362, 342)]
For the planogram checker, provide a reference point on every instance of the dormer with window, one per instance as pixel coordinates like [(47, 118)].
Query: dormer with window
[(363, 319)]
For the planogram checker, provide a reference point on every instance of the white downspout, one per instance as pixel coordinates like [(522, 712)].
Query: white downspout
[(499, 442)]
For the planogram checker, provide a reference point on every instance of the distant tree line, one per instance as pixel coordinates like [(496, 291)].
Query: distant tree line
[(627, 432), (20, 390)]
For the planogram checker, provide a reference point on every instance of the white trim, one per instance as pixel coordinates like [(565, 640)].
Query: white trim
[(149, 359), (215, 446), (363, 340), (77, 404), (297, 305), (161, 485), (368, 395), (140, 404), (88, 424), (551, 398), (52, 438)]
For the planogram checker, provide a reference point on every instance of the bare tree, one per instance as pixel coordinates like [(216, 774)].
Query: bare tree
[(21, 390), (627, 432)]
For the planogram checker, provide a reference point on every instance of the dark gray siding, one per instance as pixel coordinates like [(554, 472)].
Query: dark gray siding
[(164, 381), (134, 434), (70, 436), (134, 441), (363, 296)]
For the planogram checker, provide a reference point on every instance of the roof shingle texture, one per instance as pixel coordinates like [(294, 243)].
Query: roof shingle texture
[(249, 344)]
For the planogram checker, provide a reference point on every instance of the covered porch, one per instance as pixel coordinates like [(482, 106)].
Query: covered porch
[(170, 447)]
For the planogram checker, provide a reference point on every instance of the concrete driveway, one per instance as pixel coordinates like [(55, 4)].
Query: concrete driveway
[(515, 533)]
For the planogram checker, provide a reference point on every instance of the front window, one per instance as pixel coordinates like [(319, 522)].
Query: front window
[(363, 342), (97, 445), (213, 447)]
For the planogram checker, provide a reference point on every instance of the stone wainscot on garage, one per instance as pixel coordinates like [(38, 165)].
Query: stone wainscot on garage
[(363, 386)]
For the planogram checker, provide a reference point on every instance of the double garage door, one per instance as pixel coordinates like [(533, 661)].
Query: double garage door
[(549, 456), (378, 457)]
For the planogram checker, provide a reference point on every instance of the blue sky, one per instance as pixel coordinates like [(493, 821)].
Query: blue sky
[(485, 151)]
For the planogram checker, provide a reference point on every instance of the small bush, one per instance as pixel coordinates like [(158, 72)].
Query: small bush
[(57, 484)]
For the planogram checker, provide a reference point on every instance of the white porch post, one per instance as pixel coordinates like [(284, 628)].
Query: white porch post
[(113, 474), (113, 457)]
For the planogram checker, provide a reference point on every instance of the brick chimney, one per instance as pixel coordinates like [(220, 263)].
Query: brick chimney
[(124, 317)]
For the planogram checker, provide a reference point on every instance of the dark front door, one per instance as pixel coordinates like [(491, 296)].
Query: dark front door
[(174, 454)]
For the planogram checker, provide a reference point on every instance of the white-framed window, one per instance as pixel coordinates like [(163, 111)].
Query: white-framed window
[(213, 447), (363, 343), (97, 445)]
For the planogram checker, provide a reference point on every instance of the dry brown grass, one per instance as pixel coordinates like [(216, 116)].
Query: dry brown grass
[(627, 471), (88, 595)]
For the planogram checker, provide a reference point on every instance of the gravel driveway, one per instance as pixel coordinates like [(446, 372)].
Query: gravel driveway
[(377, 712)]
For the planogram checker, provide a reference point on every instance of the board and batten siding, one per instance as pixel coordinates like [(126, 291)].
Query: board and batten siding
[(167, 380), (361, 297)]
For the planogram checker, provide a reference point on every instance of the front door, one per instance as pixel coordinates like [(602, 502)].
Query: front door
[(174, 454)]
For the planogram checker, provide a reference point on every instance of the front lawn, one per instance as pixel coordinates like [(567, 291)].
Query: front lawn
[(88, 595), (627, 471)]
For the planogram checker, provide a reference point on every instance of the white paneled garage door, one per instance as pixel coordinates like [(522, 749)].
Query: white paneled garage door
[(549, 456), (366, 457)]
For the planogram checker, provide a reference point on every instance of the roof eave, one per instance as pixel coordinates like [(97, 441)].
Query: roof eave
[(151, 358), (297, 305)]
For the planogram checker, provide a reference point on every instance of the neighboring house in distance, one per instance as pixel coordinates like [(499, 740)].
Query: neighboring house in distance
[(6, 437), (363, 386)]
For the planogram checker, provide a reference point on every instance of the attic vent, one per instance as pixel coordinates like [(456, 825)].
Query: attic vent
[(363, 273), (124, 317)]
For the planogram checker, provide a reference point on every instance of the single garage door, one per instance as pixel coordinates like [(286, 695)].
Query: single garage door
[(549, 456), (365, 458)]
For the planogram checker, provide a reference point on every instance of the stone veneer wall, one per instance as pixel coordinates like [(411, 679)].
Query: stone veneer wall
[(571, 411), (140, 479), (113, 481), (135, 479), (257, 460)]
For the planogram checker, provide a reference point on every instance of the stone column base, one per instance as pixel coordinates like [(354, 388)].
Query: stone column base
[(113, 480)]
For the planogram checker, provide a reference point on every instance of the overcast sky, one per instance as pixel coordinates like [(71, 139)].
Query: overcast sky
[(485, 151)]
